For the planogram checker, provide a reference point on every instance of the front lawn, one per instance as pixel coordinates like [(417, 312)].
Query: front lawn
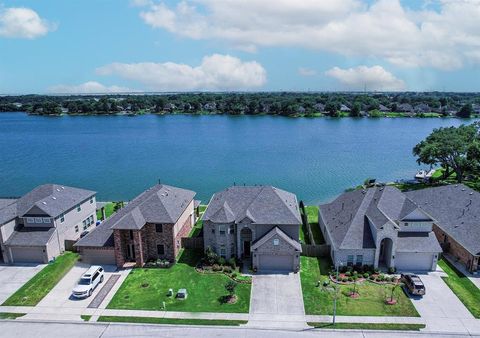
[(109, 209), (368, 326), (146, 289), (10, 315), (32, 292), (176, 321), (462, 287), (318, 300)]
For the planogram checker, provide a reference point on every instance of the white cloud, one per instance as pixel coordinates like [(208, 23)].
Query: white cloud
[(23, 23), (373, 78), (90, 87), (442, 36), (304, 71), (216, 72)]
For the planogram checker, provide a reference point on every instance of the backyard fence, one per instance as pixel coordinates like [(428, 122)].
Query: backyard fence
[(312, 250), (192, 243)]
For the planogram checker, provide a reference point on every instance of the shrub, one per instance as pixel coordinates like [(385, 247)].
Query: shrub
[(221, 261), (366, 274), (234, 275), (343, 269), (376, 270), (348, 273), (350, 279), (216, 267), (232, 262), (344, 279), (227, 269), (355, 277), (372, 277), (210, 256), (230, 286), (391, 270)]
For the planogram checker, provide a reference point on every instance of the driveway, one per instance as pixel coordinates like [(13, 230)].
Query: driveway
[(277, 301), (12, 277), (440, 308), (60, 296)]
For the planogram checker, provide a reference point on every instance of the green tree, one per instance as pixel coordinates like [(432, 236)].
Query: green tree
[(449, 147), (230, 286), (355, 112), (466, 111)]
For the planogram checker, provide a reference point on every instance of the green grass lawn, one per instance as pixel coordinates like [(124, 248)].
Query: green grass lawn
[(177, 321), (147, 289), (312, 216), (32, 292), (86, 317), (368, 326), (197, 228), (108, 210), (464, 289), (10, 315), (319, 300)]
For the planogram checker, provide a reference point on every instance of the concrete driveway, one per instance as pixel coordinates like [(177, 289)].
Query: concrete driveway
[(61, 294), (277, 301), (440, 308), (12, 277)]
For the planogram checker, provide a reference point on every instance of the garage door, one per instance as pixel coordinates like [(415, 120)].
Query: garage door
[(28, 255), (275, 263), (414, 261), (98, 257)]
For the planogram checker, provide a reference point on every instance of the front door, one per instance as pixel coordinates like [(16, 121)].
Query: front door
[(130, 252), (246, 248)]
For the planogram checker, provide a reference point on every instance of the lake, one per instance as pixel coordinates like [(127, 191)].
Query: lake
[(120, 156)]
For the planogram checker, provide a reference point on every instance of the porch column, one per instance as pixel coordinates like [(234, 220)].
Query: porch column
[(138, 245)]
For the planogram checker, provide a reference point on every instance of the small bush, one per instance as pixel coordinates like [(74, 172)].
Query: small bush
[(227, 269), (350, 279), (232, 262), (234, 275), (391, 270), (376, 270), (348, 273), (355, 277), (366, 275), (221, 261), (216, 267), (344, 279), (372, 277)]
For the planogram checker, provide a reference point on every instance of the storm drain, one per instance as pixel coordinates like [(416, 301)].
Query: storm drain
[(95, 303)]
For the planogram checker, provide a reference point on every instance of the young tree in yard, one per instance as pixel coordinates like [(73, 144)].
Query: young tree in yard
[(230, 287), (449, 147), (466, 111)]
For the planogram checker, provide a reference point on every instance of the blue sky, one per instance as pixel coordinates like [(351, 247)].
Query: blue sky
[(54, 46)]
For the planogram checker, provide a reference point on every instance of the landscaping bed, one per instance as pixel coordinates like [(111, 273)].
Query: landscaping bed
[(462, 287), (177, 321), (147, 289), (32, 292), (11, 315), (371, 301)]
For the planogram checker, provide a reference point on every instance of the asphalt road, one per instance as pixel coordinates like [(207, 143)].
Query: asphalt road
[(17, 328)]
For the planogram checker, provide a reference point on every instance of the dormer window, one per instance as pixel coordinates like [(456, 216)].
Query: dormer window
[(406, 224), (222, 229), (276, 242)]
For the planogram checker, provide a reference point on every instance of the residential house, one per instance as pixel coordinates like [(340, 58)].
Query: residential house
[(406, 108), (260, 224), (422, 108), (383, 108), (379, 226), (455, 210), (345, 109), (150, 227), (38, 226)]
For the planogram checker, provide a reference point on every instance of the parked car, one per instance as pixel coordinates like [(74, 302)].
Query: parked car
[(413, 284), (88, 282)]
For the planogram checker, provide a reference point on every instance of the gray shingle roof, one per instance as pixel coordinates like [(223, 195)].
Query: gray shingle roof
[(30, 237), (261, 204), (277, 231), (417, 242), (159, 204), (346, 217), (456, 210), (8, 210), (53, 199)]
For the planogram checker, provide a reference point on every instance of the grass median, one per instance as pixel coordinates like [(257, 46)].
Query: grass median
[(176, 321)]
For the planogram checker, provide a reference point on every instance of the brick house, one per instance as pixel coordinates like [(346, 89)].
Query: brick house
[(150, 227), (455, 210), (260, 224)]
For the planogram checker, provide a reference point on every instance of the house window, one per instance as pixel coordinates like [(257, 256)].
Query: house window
[(46, 220), (91, 200), (79, 208), (231, 229), (359, 260), (30, 220), (213, 230), (131, 234), (76, 228), (91, 219), (276, 241), (38, 220), (406, 224), (84, 225), (223, 251), (222, 229), (159, 227), (62, 218), (160, 249), (349, 260)]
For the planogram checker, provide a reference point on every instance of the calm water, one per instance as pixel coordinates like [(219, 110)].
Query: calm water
[(121, 156)]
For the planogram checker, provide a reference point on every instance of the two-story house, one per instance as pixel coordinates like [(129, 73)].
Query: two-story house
[(260, 224), (379, 226), (150, 227), (35, 227)]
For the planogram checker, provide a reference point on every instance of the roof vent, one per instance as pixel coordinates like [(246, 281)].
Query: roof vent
[(63, 188), (54, 198), (57, 189), (471, 193), (44, 202)]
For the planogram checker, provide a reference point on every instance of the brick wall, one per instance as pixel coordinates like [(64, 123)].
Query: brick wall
[(456, 249)]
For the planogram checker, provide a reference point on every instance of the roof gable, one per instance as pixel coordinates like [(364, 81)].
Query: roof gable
[(272, 233)]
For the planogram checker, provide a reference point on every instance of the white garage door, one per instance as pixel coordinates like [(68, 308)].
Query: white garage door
[(98, 257), (28, 255), (275, 263), (409, 261)]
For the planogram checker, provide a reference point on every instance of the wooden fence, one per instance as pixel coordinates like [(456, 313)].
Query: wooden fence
[(192, 243), (313, 250)]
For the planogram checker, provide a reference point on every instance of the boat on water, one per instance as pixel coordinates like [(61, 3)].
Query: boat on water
[(424, 174)]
